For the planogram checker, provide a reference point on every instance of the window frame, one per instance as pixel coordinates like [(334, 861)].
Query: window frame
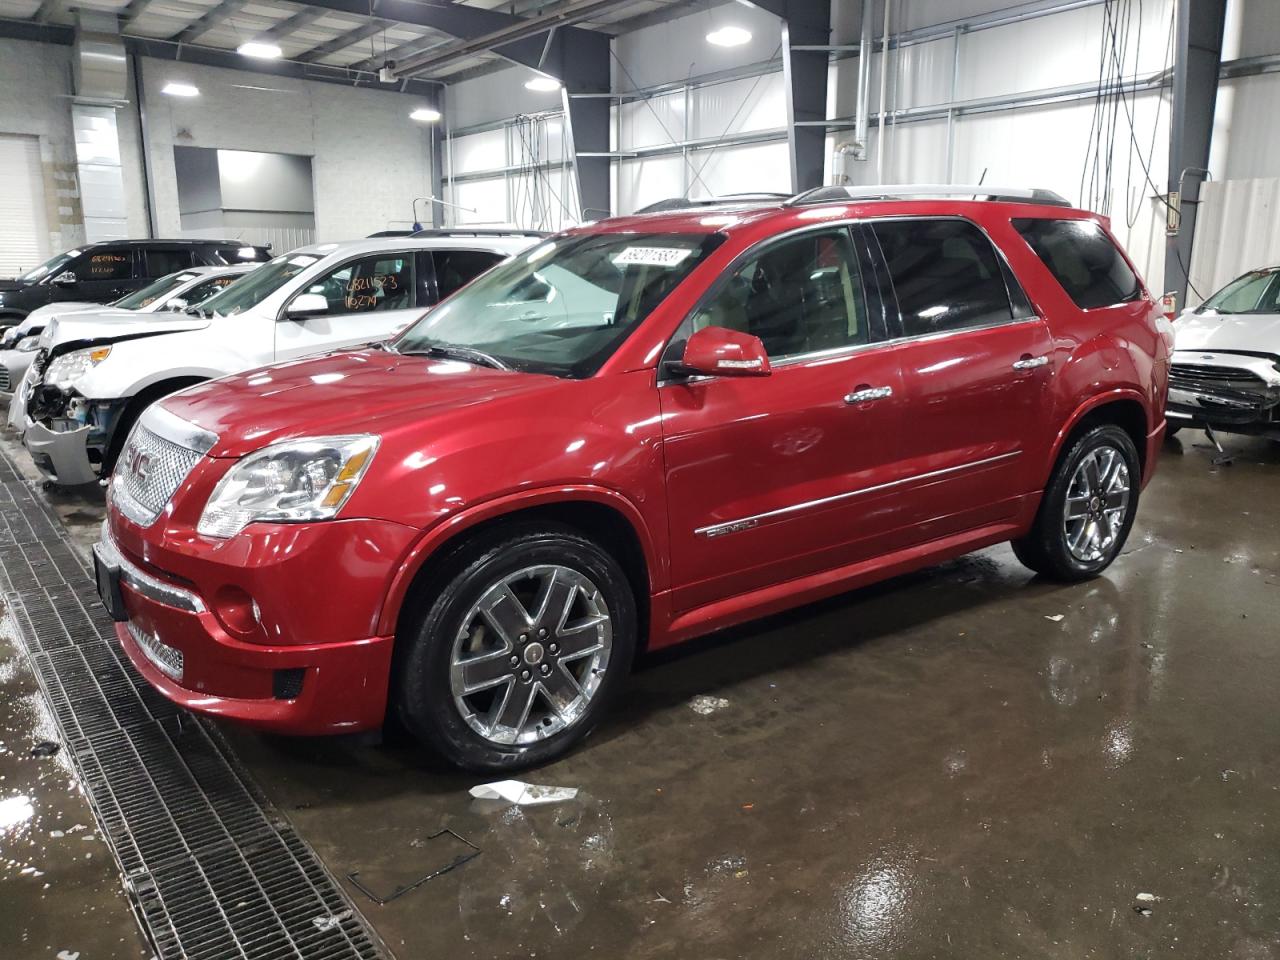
[(435, 267), (325, 271), (1007, 276), (87, 255), (876, 308)]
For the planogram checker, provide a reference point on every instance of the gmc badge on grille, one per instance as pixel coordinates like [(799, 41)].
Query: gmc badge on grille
[(138, 463)]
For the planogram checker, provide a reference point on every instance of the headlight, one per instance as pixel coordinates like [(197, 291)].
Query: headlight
[(65, 370), (290, 481), (7, 341), (29, 344)]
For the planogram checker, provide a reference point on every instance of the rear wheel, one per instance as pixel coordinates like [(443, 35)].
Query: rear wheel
[(517, 648), (1087, 509)]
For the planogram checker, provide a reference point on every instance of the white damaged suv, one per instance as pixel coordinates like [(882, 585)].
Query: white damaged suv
[(1226, 361), (91, 380)]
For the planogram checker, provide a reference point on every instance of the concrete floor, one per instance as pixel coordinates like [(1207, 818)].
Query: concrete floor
[(964, 762)]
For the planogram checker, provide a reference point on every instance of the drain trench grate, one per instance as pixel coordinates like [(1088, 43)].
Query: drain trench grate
[(211, 871)]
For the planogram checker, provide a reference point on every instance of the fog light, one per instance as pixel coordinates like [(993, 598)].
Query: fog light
[(237, 611), (287, 684)]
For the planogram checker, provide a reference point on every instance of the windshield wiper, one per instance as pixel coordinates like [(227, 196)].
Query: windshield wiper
[(450, 351)]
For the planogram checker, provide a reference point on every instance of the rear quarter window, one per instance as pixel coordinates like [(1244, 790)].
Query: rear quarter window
[(1083, 259)]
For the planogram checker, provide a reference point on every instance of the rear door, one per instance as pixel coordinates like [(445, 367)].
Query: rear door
[(454, 269), (977, 363), (161, 261), (370, 297), (776, 477)]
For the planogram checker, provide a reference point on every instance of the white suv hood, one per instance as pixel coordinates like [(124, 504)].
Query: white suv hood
[(1252, 332), (109, 326)]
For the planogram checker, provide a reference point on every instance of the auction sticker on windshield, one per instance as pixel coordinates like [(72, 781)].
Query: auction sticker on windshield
[(652, 256)]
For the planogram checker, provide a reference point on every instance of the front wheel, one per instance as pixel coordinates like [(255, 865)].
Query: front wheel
[(1088, 508), (518, 647)]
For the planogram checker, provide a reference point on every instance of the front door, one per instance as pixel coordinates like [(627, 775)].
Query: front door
[(977, 363), (370, 298), (771, 478), (101, 275)]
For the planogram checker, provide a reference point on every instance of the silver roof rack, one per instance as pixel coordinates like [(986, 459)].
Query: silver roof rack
[(907, 191)]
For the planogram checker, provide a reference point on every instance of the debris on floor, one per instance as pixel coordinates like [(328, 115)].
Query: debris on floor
[(45, 748), (521, 793), (705, 705), (1146, 898), (328, 921), (1057, 617)]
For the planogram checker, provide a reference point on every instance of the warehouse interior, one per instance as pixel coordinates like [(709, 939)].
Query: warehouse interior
[(964, 759)]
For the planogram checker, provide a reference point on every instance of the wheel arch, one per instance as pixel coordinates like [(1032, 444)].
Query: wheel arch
[(599, 513), (1124, 407), (139, 402)]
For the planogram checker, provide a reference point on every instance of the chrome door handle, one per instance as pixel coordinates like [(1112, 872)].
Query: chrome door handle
[(867, 394), (1030, 363)]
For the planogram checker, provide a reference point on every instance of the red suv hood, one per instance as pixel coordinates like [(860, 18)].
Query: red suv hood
[(369, 391)]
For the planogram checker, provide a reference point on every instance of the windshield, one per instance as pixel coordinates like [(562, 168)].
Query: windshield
[(1243, 294), (255, 287), (52, 265), (565, 306), (153, 291)]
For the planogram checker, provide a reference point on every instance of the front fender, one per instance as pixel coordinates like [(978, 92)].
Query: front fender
[(437, 535)]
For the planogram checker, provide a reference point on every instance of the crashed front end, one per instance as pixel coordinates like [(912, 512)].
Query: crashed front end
[(1235, 391), (67, 434)]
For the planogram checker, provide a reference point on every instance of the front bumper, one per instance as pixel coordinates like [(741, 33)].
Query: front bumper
[(61, 455), (1234, 392), (273, 632), (13, 366)]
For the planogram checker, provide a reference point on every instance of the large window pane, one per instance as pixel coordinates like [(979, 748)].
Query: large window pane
[(946, 274), (1083, 259)]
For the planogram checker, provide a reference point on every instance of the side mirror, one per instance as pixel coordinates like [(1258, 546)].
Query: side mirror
[(65, 279), (177, 304), (306, 305), (721, 352)]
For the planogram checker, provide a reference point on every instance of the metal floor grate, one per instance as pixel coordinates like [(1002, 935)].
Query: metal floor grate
[(212, 871)]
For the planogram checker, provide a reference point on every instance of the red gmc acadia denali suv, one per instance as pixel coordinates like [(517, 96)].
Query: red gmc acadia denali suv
[(642, 430)]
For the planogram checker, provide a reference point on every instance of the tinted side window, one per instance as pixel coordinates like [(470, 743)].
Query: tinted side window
[(106, 263), (161, 263), (1083, 259), (945, 273), (456, 268), (799, 296), (203, 291), (381, 282)]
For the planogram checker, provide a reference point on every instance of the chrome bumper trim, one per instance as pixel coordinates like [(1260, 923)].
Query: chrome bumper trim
[(163, 657), (141, 581)]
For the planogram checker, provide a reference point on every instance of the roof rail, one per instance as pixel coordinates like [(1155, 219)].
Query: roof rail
[(687, 203), (478, 232), (926, 190)]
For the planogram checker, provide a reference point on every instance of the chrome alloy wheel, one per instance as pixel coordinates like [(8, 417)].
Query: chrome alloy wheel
[(1097, 503), (531, 654)]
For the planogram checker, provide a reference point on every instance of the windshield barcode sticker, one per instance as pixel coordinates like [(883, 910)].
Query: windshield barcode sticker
[(652, 256)]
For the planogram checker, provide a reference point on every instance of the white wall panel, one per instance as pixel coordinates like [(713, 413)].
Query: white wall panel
[(480, 201), (648, 123), (641, 182), (477, 152), (1237, 229), (1246, 132), (757, 103), (762, 166)]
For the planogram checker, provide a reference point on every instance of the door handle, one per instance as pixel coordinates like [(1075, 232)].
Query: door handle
[(867, 394), (1030, 363)]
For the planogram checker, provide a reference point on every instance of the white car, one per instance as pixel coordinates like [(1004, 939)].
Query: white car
[(177, 291), (92, 379), (1226, 360)]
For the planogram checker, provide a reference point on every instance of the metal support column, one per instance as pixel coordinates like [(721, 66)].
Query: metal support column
[(806, 25), (583, 59), (1197, 60)]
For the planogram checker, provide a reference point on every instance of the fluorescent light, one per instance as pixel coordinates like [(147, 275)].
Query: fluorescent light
[(180, 90), (425, 115), (260, 51), (729, 37), (542, 84)]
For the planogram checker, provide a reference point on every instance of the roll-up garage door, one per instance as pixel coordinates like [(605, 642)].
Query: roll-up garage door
[(24, 237)]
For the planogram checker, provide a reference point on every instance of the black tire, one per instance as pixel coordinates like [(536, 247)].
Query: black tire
[(1045, 549), (1170, 430), (137, 406), (422, 694)]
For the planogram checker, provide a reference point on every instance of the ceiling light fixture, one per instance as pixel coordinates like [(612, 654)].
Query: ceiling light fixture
[(259, 51), (425, 115), (542, 84), (174, 89), (729, 37)]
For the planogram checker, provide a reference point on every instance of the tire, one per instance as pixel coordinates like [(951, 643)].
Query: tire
[(1170, 430), (136, 408), (448, 646), (1065, 549)]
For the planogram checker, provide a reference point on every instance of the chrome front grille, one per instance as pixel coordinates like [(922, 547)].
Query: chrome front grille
[(1198, 374), (166, 659), (160, 453), (5, 385)]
